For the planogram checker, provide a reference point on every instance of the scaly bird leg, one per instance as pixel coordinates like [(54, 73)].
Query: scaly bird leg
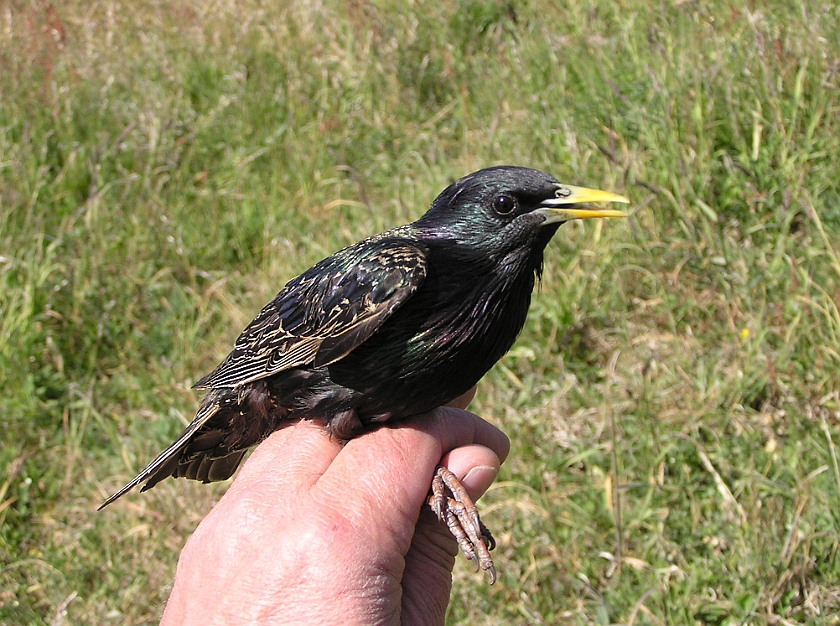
[(454, 507)]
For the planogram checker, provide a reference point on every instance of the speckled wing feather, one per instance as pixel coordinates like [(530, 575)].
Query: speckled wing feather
[(324, 313)]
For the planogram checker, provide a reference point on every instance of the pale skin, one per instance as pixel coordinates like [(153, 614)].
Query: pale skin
[(313, 532)]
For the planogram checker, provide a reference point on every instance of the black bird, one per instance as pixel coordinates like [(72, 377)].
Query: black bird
[(392, 326)]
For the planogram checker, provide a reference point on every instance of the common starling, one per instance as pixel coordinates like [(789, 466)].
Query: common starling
[(390, 327)]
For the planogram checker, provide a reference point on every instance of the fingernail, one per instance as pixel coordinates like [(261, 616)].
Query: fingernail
[(479, 479)]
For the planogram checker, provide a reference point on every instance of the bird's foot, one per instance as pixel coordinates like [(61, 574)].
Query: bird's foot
[(454, 507)]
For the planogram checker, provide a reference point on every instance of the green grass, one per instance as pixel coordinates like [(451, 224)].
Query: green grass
[(674, 400)]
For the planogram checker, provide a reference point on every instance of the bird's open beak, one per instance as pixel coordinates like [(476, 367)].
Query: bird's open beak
[(566, 204)]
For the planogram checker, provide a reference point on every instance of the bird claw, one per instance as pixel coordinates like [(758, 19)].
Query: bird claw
[(454, 507)]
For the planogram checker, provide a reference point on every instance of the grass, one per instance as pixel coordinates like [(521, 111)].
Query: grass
[(673, 401)]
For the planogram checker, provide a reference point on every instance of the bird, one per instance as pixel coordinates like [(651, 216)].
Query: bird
[(390, 327)]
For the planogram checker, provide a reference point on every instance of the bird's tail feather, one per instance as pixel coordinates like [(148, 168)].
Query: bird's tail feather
[(167, 461)]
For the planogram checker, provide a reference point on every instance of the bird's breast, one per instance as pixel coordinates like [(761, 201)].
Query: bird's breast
[(440, 343)]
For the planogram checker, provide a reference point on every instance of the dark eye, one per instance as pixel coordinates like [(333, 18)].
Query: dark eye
[(504, 205)]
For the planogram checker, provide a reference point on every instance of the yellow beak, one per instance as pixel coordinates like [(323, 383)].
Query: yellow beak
[(565, 205)]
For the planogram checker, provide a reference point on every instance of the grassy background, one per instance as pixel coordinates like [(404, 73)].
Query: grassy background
[(673, 400)]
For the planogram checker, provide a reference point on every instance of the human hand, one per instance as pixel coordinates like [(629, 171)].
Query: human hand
[(313, 532)]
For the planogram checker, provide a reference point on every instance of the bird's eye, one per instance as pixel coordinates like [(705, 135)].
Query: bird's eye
[(504, 205)]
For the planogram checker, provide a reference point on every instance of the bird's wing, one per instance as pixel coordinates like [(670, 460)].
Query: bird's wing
[(324, 313)]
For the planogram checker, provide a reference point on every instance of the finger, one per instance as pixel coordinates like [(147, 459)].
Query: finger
[(388, 471), (296, 455), (476, 466), (463, 401), (454, 428), (303, 447)]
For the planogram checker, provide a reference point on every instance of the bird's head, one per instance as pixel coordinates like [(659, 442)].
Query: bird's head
[(501, 209), (511, 204)]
